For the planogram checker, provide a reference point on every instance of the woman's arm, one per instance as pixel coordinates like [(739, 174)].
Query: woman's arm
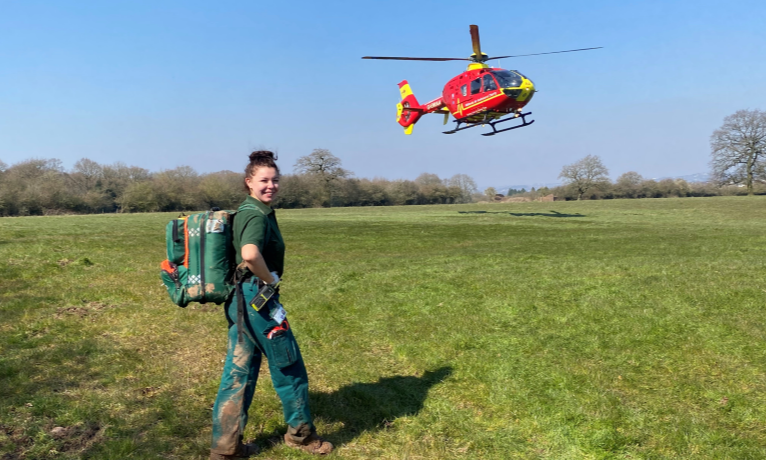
[(256, 263)]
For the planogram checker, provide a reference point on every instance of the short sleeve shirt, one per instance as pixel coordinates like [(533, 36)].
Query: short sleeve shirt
[(254, 226)]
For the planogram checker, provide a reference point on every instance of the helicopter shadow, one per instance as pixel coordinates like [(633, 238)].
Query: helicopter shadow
[(366, 407), (525, 214)]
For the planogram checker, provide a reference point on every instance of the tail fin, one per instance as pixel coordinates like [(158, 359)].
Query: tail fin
[(408, 110)]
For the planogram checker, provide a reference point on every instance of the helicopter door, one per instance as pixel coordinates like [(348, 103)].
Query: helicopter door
[(476, 86), (488, 83)]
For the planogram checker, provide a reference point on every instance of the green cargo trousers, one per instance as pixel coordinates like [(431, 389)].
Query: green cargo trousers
[(243, 360)]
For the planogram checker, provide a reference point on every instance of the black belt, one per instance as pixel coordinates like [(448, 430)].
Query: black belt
[(259, 283)]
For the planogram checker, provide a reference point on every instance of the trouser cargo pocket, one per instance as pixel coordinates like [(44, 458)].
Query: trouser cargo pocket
[(282, 349)]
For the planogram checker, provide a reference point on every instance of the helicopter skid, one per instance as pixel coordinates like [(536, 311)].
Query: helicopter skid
[(524, 123), (492, 124)]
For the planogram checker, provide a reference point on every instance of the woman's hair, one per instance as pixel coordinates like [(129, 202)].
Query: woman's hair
[(259, 159)]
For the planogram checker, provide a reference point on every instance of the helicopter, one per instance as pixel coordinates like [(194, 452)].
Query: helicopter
[(482, 95)]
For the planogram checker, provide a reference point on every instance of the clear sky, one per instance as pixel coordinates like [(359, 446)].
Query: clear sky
[(200, 83)]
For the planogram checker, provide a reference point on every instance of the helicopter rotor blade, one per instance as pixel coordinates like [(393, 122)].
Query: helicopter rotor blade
[(413, 58), (550, 52), (474, 31)]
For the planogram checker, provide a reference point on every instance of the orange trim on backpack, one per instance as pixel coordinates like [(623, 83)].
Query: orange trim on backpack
[(167, 266), (186, 243)]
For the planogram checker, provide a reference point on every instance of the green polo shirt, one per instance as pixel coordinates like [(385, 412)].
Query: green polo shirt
[(250, 227)]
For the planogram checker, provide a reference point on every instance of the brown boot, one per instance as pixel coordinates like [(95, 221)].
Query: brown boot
[(243, 451), (312, 444)]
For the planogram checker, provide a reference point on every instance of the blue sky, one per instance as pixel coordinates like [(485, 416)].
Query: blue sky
[(171, 83)]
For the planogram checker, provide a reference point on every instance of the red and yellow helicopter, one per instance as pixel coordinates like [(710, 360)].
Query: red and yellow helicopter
[(479, 96)]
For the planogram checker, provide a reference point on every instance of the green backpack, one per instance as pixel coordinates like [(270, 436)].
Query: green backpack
[(201, 264)]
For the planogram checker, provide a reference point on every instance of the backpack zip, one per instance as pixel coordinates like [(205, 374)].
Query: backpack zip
[(203, 229)]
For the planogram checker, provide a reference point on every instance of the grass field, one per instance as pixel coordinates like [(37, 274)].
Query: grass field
[(626, 329)]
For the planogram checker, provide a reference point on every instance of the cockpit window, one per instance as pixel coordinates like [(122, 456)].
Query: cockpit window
[(518, 73), (489, 83), (476, 86), (508, 78)]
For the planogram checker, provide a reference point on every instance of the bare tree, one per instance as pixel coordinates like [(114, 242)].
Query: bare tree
[(86, 174), (490, 193), (738, 149), (585, 174), (466, 184), (325, 166)]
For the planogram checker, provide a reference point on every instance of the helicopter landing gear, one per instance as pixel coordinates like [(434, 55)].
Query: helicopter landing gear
[(516, 115), (492, 124)]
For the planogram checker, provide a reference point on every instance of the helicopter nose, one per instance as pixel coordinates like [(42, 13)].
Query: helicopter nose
[(523, 94)]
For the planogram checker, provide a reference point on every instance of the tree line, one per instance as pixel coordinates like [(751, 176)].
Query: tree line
[(633, 185), (43, 186), (737, 167)]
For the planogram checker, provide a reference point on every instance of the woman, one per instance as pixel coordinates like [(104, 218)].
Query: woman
[(260, 257)]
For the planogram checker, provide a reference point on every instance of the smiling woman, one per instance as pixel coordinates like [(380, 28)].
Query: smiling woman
[(262, 330)]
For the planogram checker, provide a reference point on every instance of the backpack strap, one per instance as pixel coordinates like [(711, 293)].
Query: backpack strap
[(241, 327)]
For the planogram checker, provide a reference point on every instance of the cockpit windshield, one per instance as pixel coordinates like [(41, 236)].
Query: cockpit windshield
[(507, 78)]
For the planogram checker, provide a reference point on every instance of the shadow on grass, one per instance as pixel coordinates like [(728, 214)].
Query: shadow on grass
[(524, 214), (365, 407)]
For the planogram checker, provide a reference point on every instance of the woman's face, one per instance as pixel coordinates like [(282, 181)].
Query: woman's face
[(264, 184)]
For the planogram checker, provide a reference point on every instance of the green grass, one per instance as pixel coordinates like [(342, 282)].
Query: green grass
[(626, 329)]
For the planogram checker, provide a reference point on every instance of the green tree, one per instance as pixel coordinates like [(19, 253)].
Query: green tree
[(177, 189), (223, 189), (738, 149), (431, 189), (118, 176), (139, 197), (629, 184), (403, 192), (372, 192), (295, 191), (36, 187), (3, 206)]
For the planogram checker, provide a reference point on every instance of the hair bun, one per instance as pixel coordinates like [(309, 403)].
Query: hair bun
[(262, 155)]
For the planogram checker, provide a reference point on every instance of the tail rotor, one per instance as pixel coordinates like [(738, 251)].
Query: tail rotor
[(408, 109)]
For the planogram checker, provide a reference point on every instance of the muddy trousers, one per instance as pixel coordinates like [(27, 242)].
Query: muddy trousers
[(238, 381)]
